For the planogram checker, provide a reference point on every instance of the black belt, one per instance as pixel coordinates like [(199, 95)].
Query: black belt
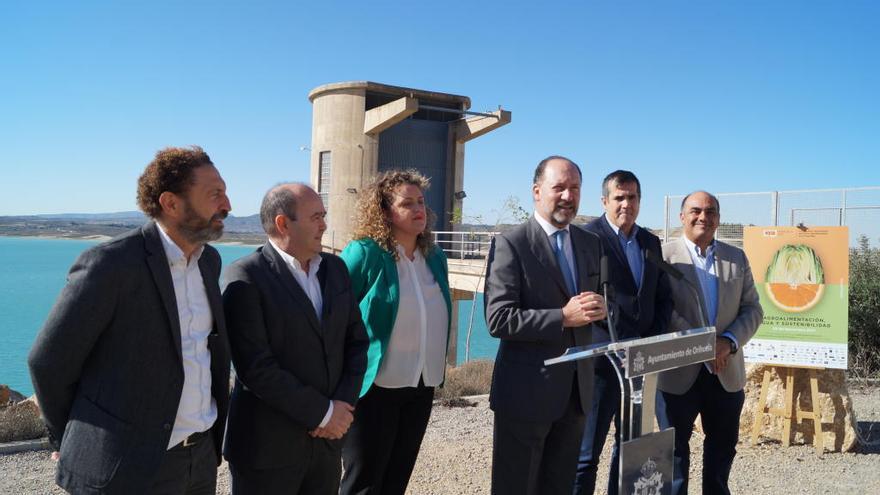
[(192, 439)]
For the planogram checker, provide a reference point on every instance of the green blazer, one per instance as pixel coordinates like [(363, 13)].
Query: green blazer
[(375, 284)]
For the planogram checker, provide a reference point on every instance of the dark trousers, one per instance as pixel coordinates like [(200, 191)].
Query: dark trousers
[(384, 440), (537, 457), (719, 411), (320, 475), (605, 408), (188, 470)]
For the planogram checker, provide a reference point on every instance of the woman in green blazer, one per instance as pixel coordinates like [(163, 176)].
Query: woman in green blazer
[(401, 281)]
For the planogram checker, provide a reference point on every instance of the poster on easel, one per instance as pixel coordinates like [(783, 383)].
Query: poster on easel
[(802, 278)]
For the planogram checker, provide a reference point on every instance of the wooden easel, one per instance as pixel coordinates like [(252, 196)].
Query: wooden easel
[(790, 409)]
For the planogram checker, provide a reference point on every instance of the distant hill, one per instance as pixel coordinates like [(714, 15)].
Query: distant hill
[(133, 215), (237, 229), (78, 225), (249, 224)]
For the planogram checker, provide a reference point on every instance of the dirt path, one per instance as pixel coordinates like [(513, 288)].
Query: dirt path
[(457, 451)]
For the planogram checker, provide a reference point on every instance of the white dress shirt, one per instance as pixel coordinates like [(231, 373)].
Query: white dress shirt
[(307, 281), (567, 250), (197, 409), (312, 287), (417, 346)]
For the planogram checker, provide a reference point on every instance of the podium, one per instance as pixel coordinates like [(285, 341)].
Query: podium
[(645, 456)]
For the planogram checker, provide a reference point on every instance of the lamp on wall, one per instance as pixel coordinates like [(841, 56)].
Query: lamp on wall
[(459, 195), (352, 190)]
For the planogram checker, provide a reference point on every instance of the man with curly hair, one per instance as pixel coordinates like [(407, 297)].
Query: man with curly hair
[(401, 280), (131, 369)]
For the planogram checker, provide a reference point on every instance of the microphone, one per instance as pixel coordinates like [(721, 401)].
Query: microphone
[(675, 273), (604, 275), (608, 291)]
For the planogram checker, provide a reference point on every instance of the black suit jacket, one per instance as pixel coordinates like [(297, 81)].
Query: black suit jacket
[(289, 364), (107, 367), (524, 296), (641, 311)]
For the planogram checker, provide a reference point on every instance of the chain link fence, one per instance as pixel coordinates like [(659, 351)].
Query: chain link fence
[(857, 208)]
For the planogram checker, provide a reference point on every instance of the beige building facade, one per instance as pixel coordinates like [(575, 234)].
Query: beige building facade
[(362, 128)]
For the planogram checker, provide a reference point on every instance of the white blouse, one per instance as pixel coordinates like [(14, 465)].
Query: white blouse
[(417, 346)]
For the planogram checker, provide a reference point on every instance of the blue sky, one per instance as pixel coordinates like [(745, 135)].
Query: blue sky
[(720, 95)]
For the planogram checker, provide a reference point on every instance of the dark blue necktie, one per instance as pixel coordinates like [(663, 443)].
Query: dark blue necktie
[(563, 261)]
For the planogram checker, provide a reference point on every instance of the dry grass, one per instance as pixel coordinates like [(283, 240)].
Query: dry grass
[(471, 378)]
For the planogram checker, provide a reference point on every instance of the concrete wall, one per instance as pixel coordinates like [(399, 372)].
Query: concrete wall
[(338, 117), (338, 127)]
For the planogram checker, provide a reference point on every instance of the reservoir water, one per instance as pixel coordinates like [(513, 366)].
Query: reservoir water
[(33, 271)]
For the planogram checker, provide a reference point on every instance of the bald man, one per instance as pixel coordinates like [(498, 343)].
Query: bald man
[(299, 350), (726, 299)]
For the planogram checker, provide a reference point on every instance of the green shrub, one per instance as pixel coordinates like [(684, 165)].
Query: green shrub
[(864, 310)]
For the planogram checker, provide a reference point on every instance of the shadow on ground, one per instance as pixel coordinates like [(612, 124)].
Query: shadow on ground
[(869, 437)]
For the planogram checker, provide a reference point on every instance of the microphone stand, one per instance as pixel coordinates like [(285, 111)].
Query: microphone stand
[(679, 276), (608, 293), (631, 388)]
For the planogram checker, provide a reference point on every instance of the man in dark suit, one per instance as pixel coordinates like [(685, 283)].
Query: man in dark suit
[(299, 350), (644, 303), (541, 297), (718, 290), (131, 369)]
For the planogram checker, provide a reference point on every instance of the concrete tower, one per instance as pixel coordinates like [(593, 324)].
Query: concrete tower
[(361, 128)]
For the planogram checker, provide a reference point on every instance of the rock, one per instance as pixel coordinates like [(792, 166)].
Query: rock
[(15, 396), (9, 396), (20, 418), (838, 421)]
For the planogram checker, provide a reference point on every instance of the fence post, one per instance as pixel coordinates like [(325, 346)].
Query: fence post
[(775, 213), (461, 247), (665, 219)]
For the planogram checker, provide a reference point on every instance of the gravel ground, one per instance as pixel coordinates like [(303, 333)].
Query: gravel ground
[(457, 451)]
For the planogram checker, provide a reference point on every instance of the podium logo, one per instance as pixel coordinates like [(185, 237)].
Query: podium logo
[(651, 481), (639, 363)]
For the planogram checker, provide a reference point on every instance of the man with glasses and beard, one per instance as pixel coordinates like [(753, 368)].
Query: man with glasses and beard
[(131, 369)]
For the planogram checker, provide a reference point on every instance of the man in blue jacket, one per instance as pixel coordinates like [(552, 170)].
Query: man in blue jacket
[(644, 301)]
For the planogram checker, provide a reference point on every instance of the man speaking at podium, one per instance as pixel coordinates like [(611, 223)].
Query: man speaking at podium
[(717, 290), (541, 297), (644, 302)]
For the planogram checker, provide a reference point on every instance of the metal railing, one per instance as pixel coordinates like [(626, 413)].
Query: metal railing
[(458, 245), (464, 245), (857, 208)]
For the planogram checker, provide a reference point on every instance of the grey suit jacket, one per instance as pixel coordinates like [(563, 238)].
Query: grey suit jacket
[(289, 363), (524, 296), (739, 311), (107, 367)]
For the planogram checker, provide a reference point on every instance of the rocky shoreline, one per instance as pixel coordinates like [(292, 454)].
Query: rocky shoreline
[(456, 457)]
